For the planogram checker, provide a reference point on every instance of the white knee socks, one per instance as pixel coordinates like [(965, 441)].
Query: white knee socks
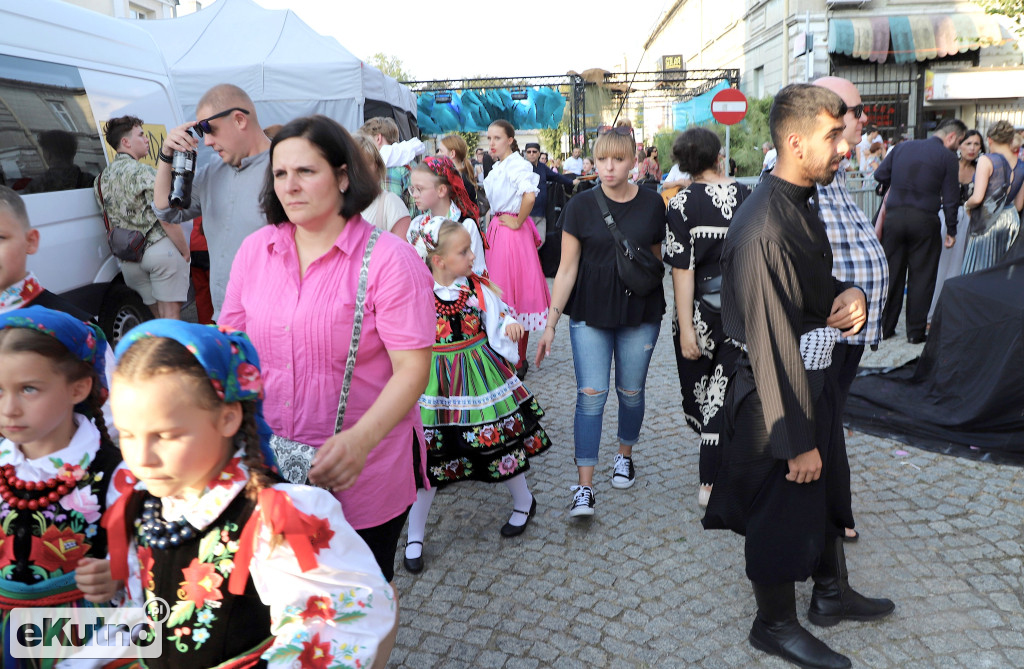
[(521, 498), (418, 521)]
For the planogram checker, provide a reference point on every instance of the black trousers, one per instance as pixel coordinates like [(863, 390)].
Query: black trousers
[(912, 240), (845, 361)]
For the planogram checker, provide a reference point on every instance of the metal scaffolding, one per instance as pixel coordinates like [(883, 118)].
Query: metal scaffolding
[(671, 85)]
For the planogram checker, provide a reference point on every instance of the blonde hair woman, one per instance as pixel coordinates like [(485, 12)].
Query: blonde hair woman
[(606, 320)]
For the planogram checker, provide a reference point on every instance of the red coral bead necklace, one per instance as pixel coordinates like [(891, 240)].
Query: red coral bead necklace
[(48, 492)]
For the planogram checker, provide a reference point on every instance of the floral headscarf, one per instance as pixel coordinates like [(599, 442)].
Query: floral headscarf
[(229, 358), (424, 239), (443, 166), (85, 341)]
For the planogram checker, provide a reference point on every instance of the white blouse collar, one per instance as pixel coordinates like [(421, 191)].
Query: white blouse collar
[(81, 451), (450, 292)]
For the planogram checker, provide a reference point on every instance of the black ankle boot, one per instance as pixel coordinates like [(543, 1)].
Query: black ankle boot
[(833, 600), (776, 631)]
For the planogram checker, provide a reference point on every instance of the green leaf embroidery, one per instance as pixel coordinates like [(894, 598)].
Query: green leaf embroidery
[(350, 617), (284, 653), (206, 546), (180, 612), (11, 515), (40, 521), (84, 462), (57, 462)]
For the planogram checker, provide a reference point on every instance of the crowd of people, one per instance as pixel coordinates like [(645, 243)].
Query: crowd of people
[(370, 349)]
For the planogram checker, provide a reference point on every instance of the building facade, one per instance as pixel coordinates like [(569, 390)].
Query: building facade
[(915, 62)]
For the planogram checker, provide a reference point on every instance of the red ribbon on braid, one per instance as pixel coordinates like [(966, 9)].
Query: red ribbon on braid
[(443, 166)]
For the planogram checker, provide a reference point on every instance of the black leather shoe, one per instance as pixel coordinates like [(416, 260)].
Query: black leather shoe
[(831, 603), (833, 600), (776, 631), (413, 565), (918, 340), (510, 530), (522, 369)]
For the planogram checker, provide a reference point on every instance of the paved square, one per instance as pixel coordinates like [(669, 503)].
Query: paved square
[(643, 585)]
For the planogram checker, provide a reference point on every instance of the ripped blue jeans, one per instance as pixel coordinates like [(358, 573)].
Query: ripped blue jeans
[(592, 353)]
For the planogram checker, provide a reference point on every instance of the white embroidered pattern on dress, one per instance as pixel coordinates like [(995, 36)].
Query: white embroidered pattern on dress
[(714, 394), (723, 196), (705, 342)]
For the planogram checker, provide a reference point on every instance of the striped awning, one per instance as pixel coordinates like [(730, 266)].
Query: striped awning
[(913, 38)]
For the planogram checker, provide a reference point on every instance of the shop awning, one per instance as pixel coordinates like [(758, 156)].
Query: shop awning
[(913, 38)]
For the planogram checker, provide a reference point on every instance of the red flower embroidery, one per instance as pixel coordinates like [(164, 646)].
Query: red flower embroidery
[(318, 607), (320, 533), (146, 568), (202, 583), (232, 473), (470, 324), (315, 654), (444, 329), (58, 549), (6, 550), (489, 435), (29, 290), (249, 378)]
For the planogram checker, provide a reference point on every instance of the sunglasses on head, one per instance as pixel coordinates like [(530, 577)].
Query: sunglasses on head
[(204, 128), (623, 130), (857, 111)]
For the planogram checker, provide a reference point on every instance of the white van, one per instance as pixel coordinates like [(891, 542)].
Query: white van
[(64, 72)]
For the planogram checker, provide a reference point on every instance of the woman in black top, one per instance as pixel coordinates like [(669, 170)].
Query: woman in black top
[(606, 320), (698, 220)]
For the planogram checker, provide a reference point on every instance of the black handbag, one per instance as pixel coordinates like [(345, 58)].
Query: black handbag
[(638, 268), (127, 245), (709, 292)]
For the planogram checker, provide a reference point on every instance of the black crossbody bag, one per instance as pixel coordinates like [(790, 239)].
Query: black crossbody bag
[(639, 269)]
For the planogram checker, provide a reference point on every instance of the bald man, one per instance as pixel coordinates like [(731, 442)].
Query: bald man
[(225, 192)]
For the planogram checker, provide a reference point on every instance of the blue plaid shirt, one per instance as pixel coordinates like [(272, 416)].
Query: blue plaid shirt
[(857, 255)]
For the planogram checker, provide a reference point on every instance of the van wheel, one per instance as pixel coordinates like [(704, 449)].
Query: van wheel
[(122, 310)]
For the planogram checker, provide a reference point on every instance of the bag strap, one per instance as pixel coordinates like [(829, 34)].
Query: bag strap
[(610, 222), (103, 203), (357, 329)]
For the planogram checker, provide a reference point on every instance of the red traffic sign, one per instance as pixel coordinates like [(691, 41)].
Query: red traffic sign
[(729, 106)]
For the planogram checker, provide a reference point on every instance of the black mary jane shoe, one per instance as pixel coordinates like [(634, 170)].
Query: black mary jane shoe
[(522, 369), (413, 565), (510, 530)]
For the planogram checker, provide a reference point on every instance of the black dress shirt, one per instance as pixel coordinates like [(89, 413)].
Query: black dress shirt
[(922, 174)]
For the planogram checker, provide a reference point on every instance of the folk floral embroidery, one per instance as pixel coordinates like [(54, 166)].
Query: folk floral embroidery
[(201, 590), (308, 649), (508, 464), (63, 519), (714, 393), (705, 341)]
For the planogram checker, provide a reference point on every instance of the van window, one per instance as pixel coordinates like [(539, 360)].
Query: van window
[(49, 140)]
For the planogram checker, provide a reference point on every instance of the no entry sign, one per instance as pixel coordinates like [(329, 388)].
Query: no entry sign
[(729, 106)]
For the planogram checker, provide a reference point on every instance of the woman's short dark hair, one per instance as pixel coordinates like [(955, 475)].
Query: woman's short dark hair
[(340, 150), (696, 150)]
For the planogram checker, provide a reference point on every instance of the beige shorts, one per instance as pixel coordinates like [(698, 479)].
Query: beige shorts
[(162, 276)]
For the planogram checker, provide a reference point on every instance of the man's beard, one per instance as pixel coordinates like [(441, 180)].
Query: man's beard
[(825, 172)]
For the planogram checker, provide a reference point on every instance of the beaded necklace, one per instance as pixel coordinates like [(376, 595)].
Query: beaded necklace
[(161, 533), (34, 495), (452, 308)]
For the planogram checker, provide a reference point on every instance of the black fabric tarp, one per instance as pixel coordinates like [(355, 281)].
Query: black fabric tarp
[(965, 395)]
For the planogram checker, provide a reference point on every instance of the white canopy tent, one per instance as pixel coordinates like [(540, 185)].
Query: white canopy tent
[(287, 68)]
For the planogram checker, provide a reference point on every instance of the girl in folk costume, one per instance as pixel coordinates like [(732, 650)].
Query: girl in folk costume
[(512, 236), (480, 422), (56, 463), (251, 568), (438, 190)]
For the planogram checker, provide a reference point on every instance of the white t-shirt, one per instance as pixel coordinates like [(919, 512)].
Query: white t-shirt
[(386, 210), (573, 165), (675, 174)]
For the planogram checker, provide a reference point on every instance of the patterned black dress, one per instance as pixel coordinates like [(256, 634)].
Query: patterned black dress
[(698, 220)]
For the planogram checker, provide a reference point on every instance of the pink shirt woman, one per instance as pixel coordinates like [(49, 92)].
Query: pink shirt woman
[(292, 289)]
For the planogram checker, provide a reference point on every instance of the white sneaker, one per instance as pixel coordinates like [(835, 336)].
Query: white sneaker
[(582, 501), (625, 475)]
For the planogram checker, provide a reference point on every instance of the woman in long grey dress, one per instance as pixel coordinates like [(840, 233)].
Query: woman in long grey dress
[(951, 260), (995, 206)]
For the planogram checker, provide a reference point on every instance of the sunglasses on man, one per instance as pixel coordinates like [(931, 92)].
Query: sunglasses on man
[(858, 111), (204, 128)]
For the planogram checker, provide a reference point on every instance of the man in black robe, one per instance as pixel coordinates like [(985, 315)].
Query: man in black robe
[(784, 480)]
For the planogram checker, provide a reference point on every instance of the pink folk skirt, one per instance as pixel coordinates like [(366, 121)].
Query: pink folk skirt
[(513, 264)]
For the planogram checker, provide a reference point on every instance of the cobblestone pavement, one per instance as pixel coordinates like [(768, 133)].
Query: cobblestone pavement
[(641, 584)]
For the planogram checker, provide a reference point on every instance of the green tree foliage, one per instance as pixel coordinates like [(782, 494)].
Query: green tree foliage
[(391, 66), (1011, 8), (746, 138)]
